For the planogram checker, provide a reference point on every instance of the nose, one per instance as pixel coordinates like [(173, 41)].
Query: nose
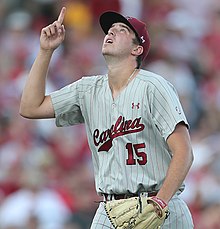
[(111, 32)]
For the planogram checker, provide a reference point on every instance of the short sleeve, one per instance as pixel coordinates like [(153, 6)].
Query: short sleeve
[(165, 107), (66, 105)]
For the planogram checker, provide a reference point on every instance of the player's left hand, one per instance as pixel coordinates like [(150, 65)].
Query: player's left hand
[(137, 212)]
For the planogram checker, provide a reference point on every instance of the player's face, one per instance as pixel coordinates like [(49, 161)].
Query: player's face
[(118, 41)]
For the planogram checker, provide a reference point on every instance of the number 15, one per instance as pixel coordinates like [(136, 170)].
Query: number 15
[(140, 154)]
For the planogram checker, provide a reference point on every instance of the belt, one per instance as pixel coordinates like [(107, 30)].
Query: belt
[(108, 197)]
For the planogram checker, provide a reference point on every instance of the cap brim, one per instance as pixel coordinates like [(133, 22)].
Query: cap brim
[(107, 19)]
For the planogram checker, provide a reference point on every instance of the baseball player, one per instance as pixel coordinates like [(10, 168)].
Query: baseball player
[(136, 127)]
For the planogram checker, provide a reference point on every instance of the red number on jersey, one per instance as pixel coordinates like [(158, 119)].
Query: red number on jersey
[(141, 155)]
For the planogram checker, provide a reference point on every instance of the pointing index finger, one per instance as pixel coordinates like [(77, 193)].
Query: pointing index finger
[(62, 14)]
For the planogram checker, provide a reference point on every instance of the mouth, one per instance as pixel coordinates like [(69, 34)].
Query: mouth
[(109, 41)]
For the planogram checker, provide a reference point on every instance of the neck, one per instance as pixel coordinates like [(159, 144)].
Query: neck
[(119, 79)]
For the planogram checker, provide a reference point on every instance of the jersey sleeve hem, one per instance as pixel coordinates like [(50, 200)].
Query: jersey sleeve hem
[(173, 128)]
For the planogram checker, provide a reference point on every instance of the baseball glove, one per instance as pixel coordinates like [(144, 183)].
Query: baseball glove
[(137, 212)]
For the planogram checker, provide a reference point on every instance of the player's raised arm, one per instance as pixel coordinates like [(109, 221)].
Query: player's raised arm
[(34, 102)]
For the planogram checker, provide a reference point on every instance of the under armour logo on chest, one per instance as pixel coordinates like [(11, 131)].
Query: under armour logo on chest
[(135, 106)]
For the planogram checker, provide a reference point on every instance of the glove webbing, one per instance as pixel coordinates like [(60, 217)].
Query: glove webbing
[(131, 222)]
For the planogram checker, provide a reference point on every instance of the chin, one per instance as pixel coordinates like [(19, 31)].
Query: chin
[(105, 53), (106, 50)]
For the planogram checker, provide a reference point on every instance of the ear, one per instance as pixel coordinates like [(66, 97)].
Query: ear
[(137, 51)]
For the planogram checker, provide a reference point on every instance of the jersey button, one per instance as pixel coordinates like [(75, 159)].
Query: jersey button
[(113, 105)]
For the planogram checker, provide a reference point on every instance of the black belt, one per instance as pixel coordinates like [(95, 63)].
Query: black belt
[(109, 197)]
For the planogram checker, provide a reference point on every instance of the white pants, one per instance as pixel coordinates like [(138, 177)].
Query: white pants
[(179, 218)]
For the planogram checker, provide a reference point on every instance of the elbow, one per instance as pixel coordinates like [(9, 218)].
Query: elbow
[(36, 112), (24, 113)]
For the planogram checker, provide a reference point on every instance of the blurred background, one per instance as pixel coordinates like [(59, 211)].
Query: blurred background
[(46, 175)]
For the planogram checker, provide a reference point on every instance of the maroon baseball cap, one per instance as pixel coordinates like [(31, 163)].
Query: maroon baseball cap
[(110, 17)]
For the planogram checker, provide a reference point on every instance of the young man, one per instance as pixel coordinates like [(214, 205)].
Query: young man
[(136, 127)]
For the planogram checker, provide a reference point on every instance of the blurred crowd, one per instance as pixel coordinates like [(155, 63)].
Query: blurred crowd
[(46, 173)]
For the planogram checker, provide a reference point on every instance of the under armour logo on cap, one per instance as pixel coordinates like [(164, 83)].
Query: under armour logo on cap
[(142, 39), (140, 30)]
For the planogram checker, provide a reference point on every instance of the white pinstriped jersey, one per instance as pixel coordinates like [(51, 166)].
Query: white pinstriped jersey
[(127, 135)]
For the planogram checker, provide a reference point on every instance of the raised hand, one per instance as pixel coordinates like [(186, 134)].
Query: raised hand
[(53, 35)]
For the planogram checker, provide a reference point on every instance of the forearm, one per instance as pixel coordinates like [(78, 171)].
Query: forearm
[(34, 91), (180, 146), (177, 172)]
